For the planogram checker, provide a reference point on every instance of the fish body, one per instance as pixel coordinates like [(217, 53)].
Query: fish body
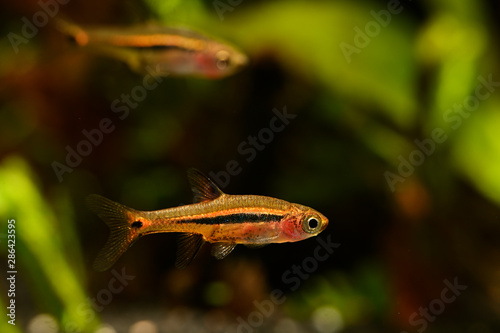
[(168, 50), (218, 218)]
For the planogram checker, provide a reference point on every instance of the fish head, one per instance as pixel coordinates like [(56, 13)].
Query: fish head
[(302, 222), (221, 60)]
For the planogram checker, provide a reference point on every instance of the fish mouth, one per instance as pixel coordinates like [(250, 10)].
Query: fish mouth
[(240, 59), (324, 225), (324, 222)]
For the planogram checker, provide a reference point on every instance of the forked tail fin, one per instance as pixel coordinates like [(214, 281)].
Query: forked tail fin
[(119, 219)]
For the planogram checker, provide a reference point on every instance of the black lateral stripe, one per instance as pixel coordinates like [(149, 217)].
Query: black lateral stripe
[(235, 218), (159, 47)]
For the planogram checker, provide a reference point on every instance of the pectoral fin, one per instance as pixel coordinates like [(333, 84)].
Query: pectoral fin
[(187, 249), (221, 250)]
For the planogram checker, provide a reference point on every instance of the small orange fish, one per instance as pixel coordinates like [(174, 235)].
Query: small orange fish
[(170, 51), (222, 219)]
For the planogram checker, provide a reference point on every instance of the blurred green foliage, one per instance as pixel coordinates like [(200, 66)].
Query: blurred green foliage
[(48, 254)]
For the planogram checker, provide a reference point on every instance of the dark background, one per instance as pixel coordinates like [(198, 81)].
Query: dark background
[(356, 119)]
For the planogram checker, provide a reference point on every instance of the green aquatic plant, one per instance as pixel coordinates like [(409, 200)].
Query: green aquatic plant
[(47, 251)]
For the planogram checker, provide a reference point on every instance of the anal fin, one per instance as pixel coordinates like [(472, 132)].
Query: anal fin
[(188, 247), (221, 250)]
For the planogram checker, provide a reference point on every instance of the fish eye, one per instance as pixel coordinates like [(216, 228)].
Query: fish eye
[(311, 224), (222, 60)]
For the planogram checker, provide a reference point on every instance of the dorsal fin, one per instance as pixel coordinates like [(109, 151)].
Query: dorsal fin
[(204, 188)]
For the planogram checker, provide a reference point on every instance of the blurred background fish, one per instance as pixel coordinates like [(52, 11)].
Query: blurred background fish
[(177, 51)]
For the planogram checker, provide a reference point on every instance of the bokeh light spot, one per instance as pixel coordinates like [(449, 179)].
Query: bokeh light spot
[(143, 326), (43, 323), (327, 319), (286, 325), (105, 328)]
